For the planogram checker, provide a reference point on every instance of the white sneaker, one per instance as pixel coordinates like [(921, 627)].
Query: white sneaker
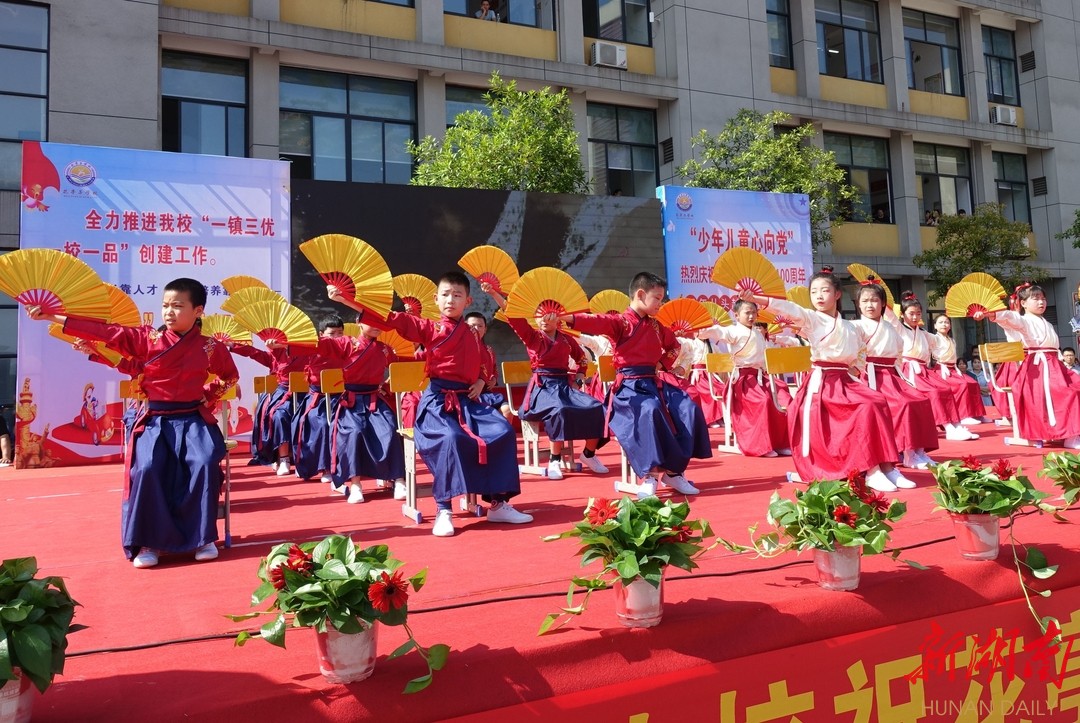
[(327, 478), (444, 524), (356, 494), (909, 458), (1072, 442), (593, 464), (899, 480), (784, 452), (554, 470), (771, 453), (146, 558), (925, 459), (970, 421), (1003, 422), (956, 433), (208, 551), (381, 484), (283, 468), (680, 484), (505, 512), (399, 490), (335, 489), (647, 488), (878, 481)]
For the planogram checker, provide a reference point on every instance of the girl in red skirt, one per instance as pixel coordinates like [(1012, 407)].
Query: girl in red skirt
[(965, 390)]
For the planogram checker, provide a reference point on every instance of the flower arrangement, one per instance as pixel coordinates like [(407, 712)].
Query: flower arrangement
[(35, 619), (632, 539), (1063, 469), (966, 487), (334, 582)]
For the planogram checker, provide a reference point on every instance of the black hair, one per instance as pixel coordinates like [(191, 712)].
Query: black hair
[(331, 321), (476, 315), (647, 281), (1068, 348), (194, 289), (1026, 292), (741, 303), (908, 300), (875, 289), (456, 278), (827, 273)]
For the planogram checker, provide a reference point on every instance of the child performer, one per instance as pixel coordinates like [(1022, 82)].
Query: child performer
[(1047, 395), (699, 388), (468, 446), (965, 390), (918, 345), (654, 437), (489, 369), (311, 423), (761, 430), (549, 398), (174, 476), (597, 346), (912, 412), (273, 415), (839, 425)]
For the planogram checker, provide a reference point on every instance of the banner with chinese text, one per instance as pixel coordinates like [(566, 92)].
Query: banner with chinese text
[(139, 219), (702, 223)]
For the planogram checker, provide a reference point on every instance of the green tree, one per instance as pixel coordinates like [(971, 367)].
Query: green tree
[(526, 143), (1073, 232), (750, 155), (984, 241)]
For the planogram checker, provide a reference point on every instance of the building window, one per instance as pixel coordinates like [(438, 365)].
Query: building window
[(944, 180), (622, 150), (531, 13), (203, 104), (849, 44), (933, 52), (460, 100), (337, 127), (624, 21), (1010, 177), (1002, 83), (866, 164), (778, 14), (24, 84)]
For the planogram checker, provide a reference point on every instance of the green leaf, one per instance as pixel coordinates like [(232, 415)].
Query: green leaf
[(417, 684), (548, 622), (438, 655), (33, 649), (402, 649), (1045, 573), (242, 638), (273, 632)]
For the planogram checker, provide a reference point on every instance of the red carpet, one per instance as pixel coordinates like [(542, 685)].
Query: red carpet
[(152, 645)]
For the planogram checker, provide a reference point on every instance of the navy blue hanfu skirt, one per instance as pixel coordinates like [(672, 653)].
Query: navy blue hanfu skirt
[(364, 442), (492, 399), (131, 413), (311, 434), (566, 412), (273, 424), (691, 429), (447, 426), (171, 503)]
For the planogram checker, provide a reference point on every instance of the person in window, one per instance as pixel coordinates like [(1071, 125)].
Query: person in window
[(1068, 358), (879, 216), (929, 220), (961, 213), (485, 12)]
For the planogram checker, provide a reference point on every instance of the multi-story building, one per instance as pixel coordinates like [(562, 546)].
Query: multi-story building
[(933, 106)]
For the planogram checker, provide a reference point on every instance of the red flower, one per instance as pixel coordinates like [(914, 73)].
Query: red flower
[(844, 516), (277, 578), (682, 534), (388, 592), (299, 561), (1003, 469), (879, 502), (601, 511), (857, 482), (972, 462)]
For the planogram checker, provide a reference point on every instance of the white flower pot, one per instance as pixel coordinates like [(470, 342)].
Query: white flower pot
[(838, 569), (345, 658), (17, 699), (977, 536), (639, 604)]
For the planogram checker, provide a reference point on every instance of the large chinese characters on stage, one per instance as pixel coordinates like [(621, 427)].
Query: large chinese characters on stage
[(140, 219), (702, 223)]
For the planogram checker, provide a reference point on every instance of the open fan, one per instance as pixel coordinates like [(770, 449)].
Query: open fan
[(965, 298), (718, 313), (353, 266), (243, 297), (492, 265), (800, 295), (984, 279), (417, 293), (745, 269), (401, 346), (223, 327), (863, 273), (124, 311), (57, 282), (232, 284), (683, 316), (351, 329), (57, 332), (609, 301), (545, 290), (277, 320)]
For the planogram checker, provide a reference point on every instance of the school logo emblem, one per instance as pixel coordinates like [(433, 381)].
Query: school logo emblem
[(683, 202), (80, 173)]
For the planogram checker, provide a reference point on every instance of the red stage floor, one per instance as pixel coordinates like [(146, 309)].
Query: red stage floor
[(157, 641)]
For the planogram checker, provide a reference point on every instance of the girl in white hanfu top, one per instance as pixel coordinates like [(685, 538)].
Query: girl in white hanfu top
[(838, 425), (914, 362), (965, 390), (1047, 395), (912, 413), (760, 428)]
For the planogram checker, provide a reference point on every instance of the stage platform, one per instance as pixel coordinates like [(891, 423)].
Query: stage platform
[(742, 639)]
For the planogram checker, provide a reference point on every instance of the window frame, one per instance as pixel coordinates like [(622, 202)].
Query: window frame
[(228, 106), (942, 47), (849, 167), (606, 142), (15, 144), (992, 60), (823, 50), (592, 28), (770, 14), (1014, 185), (505, 18), (937, 174)]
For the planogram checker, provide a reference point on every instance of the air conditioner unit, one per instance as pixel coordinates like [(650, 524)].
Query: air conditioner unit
[(1003, 115), (609, 55)]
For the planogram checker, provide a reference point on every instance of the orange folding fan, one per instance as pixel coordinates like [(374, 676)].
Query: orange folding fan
[(417, 294), (355, 267), (57, 282), (965, 298), (684, 316), (545, 290), (864, 274), (742, 269), (401, 346), (225, 328), (718, 313), (249, 295), (609, 301), (490, 264), (232, 284), (279, 321)]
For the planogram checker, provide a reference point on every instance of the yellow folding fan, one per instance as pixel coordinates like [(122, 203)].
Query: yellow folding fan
[(352, 329), (609, 301), (545, 290), (57, 282), (279, 321), (355, 267), (985, 279), (863, 273), (249, 295), (742, 269), (718, 313), (232, 284), (965, 298), (684, 316), (124, 310), (401, 346), (490, 264), (417, 294), (800, 295), (223, 327), (57, 332)]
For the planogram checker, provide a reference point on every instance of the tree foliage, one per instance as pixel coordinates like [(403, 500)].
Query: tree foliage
[(1072, 233), (984, 241), (527, 142), (750, 155)]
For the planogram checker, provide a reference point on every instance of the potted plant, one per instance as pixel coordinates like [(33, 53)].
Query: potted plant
[(1063, 469), (635, 541), (838, 519), (35, 619), (977, 497), (342, 591)]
